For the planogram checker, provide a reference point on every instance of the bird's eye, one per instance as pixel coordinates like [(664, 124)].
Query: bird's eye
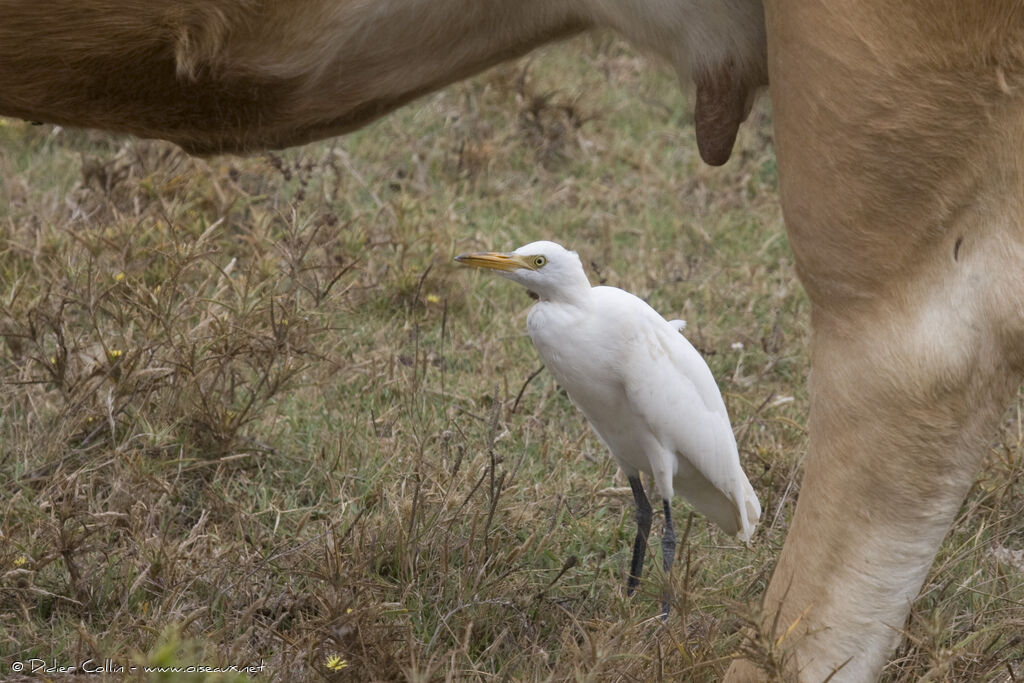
[(539, 261)]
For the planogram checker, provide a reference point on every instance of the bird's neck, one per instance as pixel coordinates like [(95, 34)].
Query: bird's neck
[(577, 293)]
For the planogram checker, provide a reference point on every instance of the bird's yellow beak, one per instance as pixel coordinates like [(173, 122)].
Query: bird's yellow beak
[(495, 261)]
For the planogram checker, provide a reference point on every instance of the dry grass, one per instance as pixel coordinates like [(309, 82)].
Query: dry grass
[(250, 410)]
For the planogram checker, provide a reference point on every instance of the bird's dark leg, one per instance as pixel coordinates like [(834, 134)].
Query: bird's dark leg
[(668, 552), (643, 529)]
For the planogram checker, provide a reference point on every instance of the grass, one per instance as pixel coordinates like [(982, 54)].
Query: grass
[(252, 412)]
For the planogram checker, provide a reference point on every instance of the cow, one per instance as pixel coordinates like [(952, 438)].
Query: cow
[(898, 129)]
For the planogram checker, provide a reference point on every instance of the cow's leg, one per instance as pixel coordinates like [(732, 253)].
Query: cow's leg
[(904, 201), (897, 429)]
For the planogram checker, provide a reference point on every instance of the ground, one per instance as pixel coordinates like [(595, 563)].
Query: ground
[(252, 413)]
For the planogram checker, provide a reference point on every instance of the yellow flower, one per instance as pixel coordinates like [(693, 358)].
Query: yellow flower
[(20, 561), (433, 299), (115, 354), (119, 277), (336, 663), (53, 360)]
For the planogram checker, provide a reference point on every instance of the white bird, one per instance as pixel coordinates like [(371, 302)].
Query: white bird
[(645, 390)]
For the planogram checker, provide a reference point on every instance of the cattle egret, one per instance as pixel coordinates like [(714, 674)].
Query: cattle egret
[(645, 390)]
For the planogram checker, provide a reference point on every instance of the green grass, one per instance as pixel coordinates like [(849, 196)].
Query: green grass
[(252, 411)]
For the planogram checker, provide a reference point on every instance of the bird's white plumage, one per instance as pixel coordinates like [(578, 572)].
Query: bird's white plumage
[(644, 389)]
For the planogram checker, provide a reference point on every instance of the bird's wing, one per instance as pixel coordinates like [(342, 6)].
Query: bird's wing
[(671, 388)]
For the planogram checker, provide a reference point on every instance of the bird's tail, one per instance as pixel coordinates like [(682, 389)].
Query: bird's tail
[(750, 512)]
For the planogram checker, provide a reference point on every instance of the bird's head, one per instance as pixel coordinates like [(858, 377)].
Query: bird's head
[(548, 269)]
